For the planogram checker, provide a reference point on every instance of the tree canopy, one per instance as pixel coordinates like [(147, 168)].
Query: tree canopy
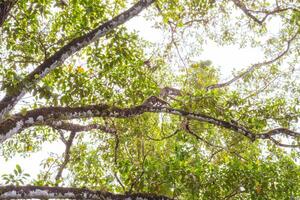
[(150, 120)]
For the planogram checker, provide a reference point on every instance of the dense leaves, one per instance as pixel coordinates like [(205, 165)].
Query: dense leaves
[(161, 153)]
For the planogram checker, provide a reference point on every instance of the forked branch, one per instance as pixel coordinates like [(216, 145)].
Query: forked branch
[(10, 100), (251, 13), (66, 160)]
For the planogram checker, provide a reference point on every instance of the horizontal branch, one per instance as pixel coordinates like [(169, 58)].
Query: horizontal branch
[(77, 127), (42, 192), (280, 131), (10, 100), (19, 122)]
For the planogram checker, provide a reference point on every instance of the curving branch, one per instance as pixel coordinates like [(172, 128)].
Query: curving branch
[(250, 13), (43, 192), (10, 100), (278, 143), (164, 137), (186, 127), (253, 67), (279, 131), (21, 121), (5, 7)]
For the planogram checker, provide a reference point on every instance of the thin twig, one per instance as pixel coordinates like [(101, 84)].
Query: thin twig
[(253, 67), (66, 158)]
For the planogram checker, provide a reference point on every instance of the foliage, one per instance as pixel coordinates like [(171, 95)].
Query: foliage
[(18, 177), (158, 153)]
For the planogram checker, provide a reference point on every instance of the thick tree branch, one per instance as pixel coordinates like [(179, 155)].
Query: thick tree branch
[(253, 67), (5, 7), (38, 192), (10, 100), (19, 122), (243, 7)]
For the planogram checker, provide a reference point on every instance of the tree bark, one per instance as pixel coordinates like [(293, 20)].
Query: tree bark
[(10, 100), (68, 145), (54, 116), (5, 7), (42, 192), (18, 122)]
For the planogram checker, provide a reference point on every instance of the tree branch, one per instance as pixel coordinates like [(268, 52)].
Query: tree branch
[(277, 131), (19, 122), (243, 7), (42, 192), (5, 7), (253, 67), (137, 179), (60, 125), (163, 138), (186, 127), (240, 4), (40, 116), (68, 145), (10, 100), (116, 150)]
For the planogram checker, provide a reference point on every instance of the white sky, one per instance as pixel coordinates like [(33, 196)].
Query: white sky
[(228, 57)]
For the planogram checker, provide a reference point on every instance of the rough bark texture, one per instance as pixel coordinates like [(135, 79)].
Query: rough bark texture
[(10, 100), (5, 7), (38, 192), (79, 128), (39, 116), (55, 115)]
